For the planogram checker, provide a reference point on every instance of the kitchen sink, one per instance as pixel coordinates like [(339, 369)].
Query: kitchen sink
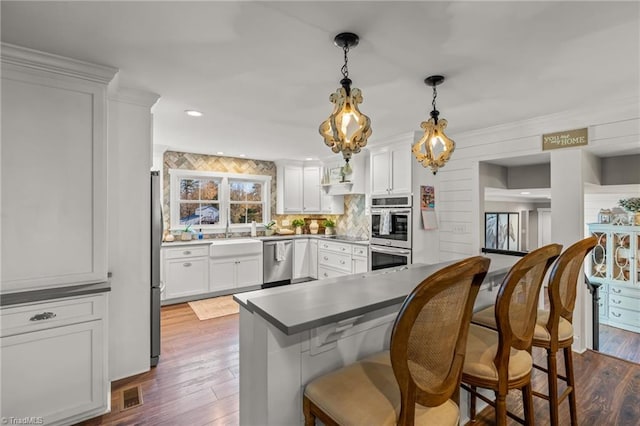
[(235, 247)]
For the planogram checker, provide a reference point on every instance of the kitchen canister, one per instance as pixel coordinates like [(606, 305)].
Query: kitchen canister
[(313, 227)]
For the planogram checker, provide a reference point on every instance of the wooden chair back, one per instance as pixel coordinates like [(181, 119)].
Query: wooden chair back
[(563, 282), (517, 303), (429, 336)]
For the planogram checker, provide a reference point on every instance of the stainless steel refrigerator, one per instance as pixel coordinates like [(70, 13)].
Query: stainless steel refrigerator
[(156, 241)]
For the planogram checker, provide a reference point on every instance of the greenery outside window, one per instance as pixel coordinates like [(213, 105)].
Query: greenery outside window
[(214, 200)]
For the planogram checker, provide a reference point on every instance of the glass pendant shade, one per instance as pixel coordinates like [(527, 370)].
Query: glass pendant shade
[(434, 148), (347, 129)]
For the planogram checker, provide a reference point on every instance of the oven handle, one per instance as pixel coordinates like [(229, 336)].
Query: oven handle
[(389, 250), (379, 211)]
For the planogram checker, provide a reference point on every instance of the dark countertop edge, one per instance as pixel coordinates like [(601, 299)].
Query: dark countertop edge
[(289, 331), (9, 299)]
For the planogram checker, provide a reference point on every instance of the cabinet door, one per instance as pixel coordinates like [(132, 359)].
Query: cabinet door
[(359, 265), (622, 256), (300, 258), (400, 158), (53, 144), (249, 271), (223, 274), (186, 277), (380, 173), (311, 189), (292, 189), (313, 259), (598, 259), (55, 373)]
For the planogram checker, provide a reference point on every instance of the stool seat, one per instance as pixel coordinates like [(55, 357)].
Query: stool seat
[(487, 318), (482, 346), (372, 384)]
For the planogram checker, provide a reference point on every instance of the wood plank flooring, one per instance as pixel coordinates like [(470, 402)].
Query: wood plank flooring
[(620, 343), (196, 381)]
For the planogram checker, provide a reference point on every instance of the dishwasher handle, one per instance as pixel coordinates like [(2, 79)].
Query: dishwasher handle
[(273, 243)]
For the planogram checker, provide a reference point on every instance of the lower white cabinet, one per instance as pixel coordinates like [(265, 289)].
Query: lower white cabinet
[(338, 258), (231, 273), (313, 259), (186, 276), (54, 363), (301, 256)]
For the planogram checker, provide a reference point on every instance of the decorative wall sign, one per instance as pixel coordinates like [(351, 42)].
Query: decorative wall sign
[(566, 139)]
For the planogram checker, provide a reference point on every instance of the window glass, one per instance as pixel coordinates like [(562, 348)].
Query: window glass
[(196, 207)]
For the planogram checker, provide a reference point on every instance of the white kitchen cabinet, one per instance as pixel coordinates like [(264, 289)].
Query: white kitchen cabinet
[(301, 256), (299, 190), (54, 362), (54, 144), (249, 271), (313, 258), (235, 272), (293, 187), (339, 258), (223, 274), (185, 272), (311, 189), (615, 264), (391, 169)]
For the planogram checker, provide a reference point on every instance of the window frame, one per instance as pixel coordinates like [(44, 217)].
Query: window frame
[(175, 175)]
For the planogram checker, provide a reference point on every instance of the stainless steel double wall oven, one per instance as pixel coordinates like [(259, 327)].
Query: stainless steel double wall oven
[(390, 243)]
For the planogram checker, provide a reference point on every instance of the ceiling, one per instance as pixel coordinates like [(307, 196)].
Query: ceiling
[(261, 72)]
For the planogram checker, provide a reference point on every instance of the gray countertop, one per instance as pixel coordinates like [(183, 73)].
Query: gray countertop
[(299, 307), (338, 238), (8, 299)]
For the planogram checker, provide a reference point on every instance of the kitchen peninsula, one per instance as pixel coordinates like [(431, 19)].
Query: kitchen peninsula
[(290, 335)]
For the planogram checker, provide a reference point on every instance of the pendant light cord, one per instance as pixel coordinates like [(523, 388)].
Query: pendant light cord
[(345, 69), (435, 95)]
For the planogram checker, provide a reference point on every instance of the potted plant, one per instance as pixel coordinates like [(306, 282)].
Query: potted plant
[(269, 228), (328, 224), (186, 233), (632, 205), (298, 224)]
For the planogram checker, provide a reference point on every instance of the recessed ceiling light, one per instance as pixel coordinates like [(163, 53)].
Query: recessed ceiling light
[(220, 153), (193, 113), (243, 155), (525, 193), (308, 159)]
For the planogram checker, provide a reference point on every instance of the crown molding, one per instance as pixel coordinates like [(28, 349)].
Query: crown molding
[(134, 97), (48, 62)]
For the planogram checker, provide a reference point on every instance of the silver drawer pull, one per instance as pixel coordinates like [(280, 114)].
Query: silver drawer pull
[(326, 258), (342, 248), (186, 265), (615, 314), (615, 290), (186, 252), (617, 302), (43, 316), (342, 262), (325, 274)]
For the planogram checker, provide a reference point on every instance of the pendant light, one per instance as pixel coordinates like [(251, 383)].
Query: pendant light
[(347, 129), (434, 148)]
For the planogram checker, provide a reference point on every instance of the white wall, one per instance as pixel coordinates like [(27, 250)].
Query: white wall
[(129, 163)]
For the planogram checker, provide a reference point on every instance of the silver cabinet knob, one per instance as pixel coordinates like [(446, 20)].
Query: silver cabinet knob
[(187, 264), (186, 253), (43, 316)]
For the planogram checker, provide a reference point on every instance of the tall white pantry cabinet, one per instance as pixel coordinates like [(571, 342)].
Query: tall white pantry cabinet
[(53, 332)]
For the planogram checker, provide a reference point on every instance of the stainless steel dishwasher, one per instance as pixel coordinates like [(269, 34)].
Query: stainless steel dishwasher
[(278, 270)]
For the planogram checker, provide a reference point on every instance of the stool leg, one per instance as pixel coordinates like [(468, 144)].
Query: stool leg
[(568, 366), (552, 379), (309, 418), (501, 409), (472, 403), (527, 404)]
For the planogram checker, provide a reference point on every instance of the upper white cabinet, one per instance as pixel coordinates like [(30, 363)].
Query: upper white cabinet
[(391, 169), (54, 170), (299, 190)]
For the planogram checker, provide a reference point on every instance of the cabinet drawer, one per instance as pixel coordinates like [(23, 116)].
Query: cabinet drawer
[(362, 251), (334, 246), (186, 251), (324, 273), (335, 260), (625, 302), (619, 290), (624, 316), (40, 316)]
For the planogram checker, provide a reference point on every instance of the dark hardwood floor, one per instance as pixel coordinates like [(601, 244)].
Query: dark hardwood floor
[(196, 381), (620, 343)]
